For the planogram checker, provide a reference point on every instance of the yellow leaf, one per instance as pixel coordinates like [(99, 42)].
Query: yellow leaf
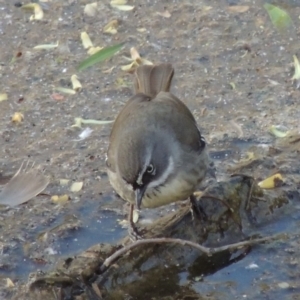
[(86, 41), (9, 283), (129, 67), (111, 27), (90, 9), (3, 97), (76, 187), (123, 7), (37, 9), (80, 121), (165, 14), (65, 90), (46, 46), (271, 182), (118, 2), (141, 29), (64, 182), (17, 117), (134, 54), (277, 132), (296, 75), (60, 199), (94, 50), (75, 83)]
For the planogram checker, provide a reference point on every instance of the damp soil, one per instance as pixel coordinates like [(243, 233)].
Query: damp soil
[(233, 70)]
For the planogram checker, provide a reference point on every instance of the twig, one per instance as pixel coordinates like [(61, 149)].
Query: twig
[(209, 251)]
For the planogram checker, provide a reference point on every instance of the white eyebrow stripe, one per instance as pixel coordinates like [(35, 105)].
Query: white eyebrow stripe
[(139, 180), (164, 175)]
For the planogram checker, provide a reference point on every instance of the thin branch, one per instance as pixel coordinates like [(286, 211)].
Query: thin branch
[(209, 251)]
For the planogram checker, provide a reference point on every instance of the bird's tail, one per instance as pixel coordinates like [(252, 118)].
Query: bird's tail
[(151, 80)]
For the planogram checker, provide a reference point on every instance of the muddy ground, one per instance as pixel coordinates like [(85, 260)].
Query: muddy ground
[(233, 70)]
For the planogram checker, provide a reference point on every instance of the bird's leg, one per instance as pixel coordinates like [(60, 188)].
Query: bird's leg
[(132, 230), (197, 209)]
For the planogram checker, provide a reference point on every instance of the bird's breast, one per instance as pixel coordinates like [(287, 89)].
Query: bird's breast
[(172, 191)]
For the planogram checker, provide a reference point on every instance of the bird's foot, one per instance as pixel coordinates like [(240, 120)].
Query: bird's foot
[(133, 233), (196, 209)]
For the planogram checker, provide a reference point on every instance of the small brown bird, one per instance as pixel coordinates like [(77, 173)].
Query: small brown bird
[(156, 154)]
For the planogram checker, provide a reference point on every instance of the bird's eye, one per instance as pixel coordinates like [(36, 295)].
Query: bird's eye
[(150, 169)]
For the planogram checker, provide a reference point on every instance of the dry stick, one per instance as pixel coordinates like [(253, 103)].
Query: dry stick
[(209, 251), (247, 205), (251, 188)]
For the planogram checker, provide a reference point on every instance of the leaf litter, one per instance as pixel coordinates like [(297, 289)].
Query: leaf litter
[(136, 60), (80, 121), (37, 10)]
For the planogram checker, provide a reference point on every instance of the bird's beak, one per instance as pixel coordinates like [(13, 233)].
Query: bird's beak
[(139, 193)]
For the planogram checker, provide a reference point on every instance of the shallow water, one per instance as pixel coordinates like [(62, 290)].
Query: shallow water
[(211, 46)]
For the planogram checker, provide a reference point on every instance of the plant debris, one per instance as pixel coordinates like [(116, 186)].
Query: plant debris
[(91, 9), (80, 121), (271, 182), (121, 5), (76, 187), (111, 27), (17, 117), (136, 61), (3, 97), (36, 8), (76, 85)]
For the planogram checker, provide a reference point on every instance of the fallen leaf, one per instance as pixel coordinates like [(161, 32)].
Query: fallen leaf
[(130, 67), (85, 134), (135, 55), (76, 186), (3, 97), (271, 182), (276, 131), (136, 60), (60, 199), (46, 46), (165, 14), (86, 41), (17, 117), (123, 7), (296, 75), (36, 8), (111, 27), (108, 71), (94, 50), (9, 283), (76, 85), (80, 121), (91, 9), (279, 17), (64, 182), (118, 2), (65, 90)]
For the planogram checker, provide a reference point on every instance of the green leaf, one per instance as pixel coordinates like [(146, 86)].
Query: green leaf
[(279, 17), (99, 56)]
